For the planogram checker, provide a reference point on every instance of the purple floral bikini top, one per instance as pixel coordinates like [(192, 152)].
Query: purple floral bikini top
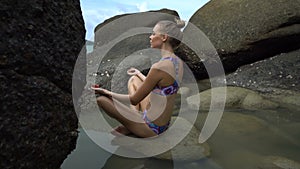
[(173, 88)]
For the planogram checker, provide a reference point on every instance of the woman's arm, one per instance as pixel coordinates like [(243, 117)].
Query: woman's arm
[(141, 76), (124, 98), (154, 76)]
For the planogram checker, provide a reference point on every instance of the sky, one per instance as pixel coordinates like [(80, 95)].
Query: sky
[(96, 11)]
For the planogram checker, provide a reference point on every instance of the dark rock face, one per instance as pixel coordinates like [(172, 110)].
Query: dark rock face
[(40, 42), (244, 32), (279, 72)]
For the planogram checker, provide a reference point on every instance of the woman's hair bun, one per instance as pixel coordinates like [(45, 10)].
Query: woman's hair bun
[(180, 23)]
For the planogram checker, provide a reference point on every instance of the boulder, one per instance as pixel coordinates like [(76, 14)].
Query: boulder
[(288, 99), (244, 32), (294, 100), (254, 101), (114, 27), (270, 75), (40, 42), (236, 97)]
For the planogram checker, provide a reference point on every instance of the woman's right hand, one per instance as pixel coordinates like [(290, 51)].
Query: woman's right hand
[(101, 91), (133, 71)]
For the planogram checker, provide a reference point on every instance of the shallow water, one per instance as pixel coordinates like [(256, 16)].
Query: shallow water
[(242, 140)]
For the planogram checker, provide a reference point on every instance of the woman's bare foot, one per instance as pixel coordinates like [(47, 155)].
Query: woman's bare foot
[(120, 130)]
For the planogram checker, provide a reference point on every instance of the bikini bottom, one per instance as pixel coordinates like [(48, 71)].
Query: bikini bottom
[(157, 129)]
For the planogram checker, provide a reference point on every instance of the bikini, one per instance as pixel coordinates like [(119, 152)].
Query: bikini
[(164, 91)]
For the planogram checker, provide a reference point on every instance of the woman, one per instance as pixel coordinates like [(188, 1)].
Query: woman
[(153, 95)]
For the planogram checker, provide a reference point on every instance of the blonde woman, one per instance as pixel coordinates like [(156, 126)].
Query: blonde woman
[(154, 94)]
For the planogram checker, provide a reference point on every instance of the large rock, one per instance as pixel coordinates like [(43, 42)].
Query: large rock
[(113, 27), (236, 97), (244, 32), (279, 72), (40, 42)]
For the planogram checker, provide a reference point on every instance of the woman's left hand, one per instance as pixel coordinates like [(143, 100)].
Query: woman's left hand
[(133, 71)]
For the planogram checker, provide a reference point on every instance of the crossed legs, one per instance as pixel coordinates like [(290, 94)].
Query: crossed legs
[(133, 84), (131, 118)]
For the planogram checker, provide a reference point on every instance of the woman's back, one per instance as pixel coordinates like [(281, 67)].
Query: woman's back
[(162, 98)]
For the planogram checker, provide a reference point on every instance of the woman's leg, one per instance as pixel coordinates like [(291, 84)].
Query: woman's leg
[(133, 123), (133, 84)]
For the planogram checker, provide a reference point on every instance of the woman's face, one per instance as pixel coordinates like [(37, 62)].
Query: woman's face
[(156, 38)]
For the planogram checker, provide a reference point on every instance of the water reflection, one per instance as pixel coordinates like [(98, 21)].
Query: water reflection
[(86, 155), (244, 139), (129, 163), (151, 163)]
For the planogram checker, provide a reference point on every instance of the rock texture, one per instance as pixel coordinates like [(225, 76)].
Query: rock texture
[(40, 42), (279, 72), (113, 27), (236, 97), (244, 32)]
